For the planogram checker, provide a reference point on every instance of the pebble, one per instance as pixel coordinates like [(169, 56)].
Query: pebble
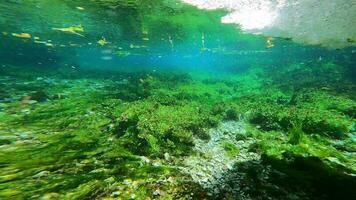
[(211, 168), (158, 192), (167, 156), (145, 160), (115, 194)]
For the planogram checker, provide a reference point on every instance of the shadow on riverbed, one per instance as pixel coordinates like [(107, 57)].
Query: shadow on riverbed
[(290, 178)]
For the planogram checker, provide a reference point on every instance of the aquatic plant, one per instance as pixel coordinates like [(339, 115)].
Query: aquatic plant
[(296, 134), (230, 148)]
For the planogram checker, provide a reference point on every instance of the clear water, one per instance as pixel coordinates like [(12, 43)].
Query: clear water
[(115, 99)]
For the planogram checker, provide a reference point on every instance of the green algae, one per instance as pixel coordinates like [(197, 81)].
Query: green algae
[(75, 143), (67, 132), (230, 148)]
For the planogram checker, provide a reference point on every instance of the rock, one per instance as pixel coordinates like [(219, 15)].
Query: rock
[(167, 156), (127, 182), (115, 194), (157, 164), (158, 192), (145, 160)]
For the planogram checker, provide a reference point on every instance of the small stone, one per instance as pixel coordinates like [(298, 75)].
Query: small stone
[(170, 179), (200, 174), (128, 182), (156, 164), (145, 160), (158, 192), (115, 194), (167, 156), (132, 197)]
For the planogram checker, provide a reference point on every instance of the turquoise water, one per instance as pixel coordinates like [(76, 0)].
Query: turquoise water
[(113, 99)]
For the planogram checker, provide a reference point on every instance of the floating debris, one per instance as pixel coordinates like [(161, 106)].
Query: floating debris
[(132, 46), (71, 29), (40, 42), (48, 44), (74, 45), (80, 8), (170, 40), (269, 43), (106, 57), (106, 51), (22, 35), (123, 53), (103, 42)]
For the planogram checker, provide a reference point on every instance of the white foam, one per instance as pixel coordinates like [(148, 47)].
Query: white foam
[(330, 23)]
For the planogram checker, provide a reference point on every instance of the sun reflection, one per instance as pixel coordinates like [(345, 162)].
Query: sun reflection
[(250, 19)]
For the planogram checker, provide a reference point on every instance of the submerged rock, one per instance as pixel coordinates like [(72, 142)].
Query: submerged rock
[(115, 194), (167, 157)]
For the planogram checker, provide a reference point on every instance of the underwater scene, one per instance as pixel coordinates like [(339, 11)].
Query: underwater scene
[(177, 99)]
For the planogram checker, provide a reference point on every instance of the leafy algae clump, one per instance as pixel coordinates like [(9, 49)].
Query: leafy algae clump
[(230, 148), (160, 126), (296, 134)]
